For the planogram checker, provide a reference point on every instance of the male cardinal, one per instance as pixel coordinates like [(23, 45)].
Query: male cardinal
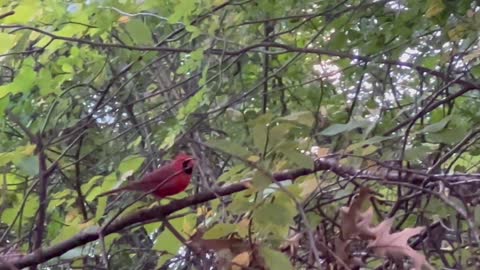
[(167, 180)]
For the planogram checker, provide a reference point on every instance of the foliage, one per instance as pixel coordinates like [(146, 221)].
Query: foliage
[(378, 98)]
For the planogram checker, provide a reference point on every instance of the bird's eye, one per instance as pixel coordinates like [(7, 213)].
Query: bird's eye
[(187, 166)]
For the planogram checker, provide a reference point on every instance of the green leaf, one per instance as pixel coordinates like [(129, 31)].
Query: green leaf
[(109, 239), (166, 241), (303, 118), (275, 260), (7, 41), (259, 134), (24, 13), (45, 82), (240, 204), (171, 136), (219, 230), (299, 159), (233, 174), (26, 78), (13, 179), (28, 165), (436, 127), (109, 182), (369, 150), (230, 147), (31, 206), (139, 32), (260, 131), (68, 231), (130, 163), (183, 10), (278, 133), (193, 104), (68, 68), (447, 136), (336, 129), (194, 30), (417, 153), (87, 186), (260, 180), (23, 82), (276, 214), (93, 194), (101, 205), (9, 215), (152, 227)]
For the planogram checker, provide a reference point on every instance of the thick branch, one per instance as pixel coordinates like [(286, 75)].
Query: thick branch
[(42, 195)]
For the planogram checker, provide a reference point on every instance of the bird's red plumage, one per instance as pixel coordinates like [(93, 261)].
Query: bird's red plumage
[(167, 180)]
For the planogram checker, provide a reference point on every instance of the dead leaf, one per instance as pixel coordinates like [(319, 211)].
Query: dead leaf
[(364, 224), (123, 19), (341, 248), (395, 244), (351, 216), (242, 260), (202, 211)]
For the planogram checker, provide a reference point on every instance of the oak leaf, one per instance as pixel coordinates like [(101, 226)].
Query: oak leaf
[(241, 261), (396, 245), (352, 217)]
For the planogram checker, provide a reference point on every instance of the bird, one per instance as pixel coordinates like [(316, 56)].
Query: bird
[(165, 181)]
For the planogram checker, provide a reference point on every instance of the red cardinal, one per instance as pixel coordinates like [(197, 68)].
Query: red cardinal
[(167, 180)]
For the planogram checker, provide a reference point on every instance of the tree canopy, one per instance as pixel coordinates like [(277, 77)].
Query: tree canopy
[(327, 134)]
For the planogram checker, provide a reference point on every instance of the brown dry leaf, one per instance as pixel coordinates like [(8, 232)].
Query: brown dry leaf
[(351, 216), (395, 244), (123, 19), (364, 224), (341, 250), (322, 152), (242, 260)]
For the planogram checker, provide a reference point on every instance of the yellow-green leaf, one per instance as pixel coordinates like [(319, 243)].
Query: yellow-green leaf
[(220, 230), (261, 180), (6, 42), (435, 7), (130, 163), (275, 260)]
